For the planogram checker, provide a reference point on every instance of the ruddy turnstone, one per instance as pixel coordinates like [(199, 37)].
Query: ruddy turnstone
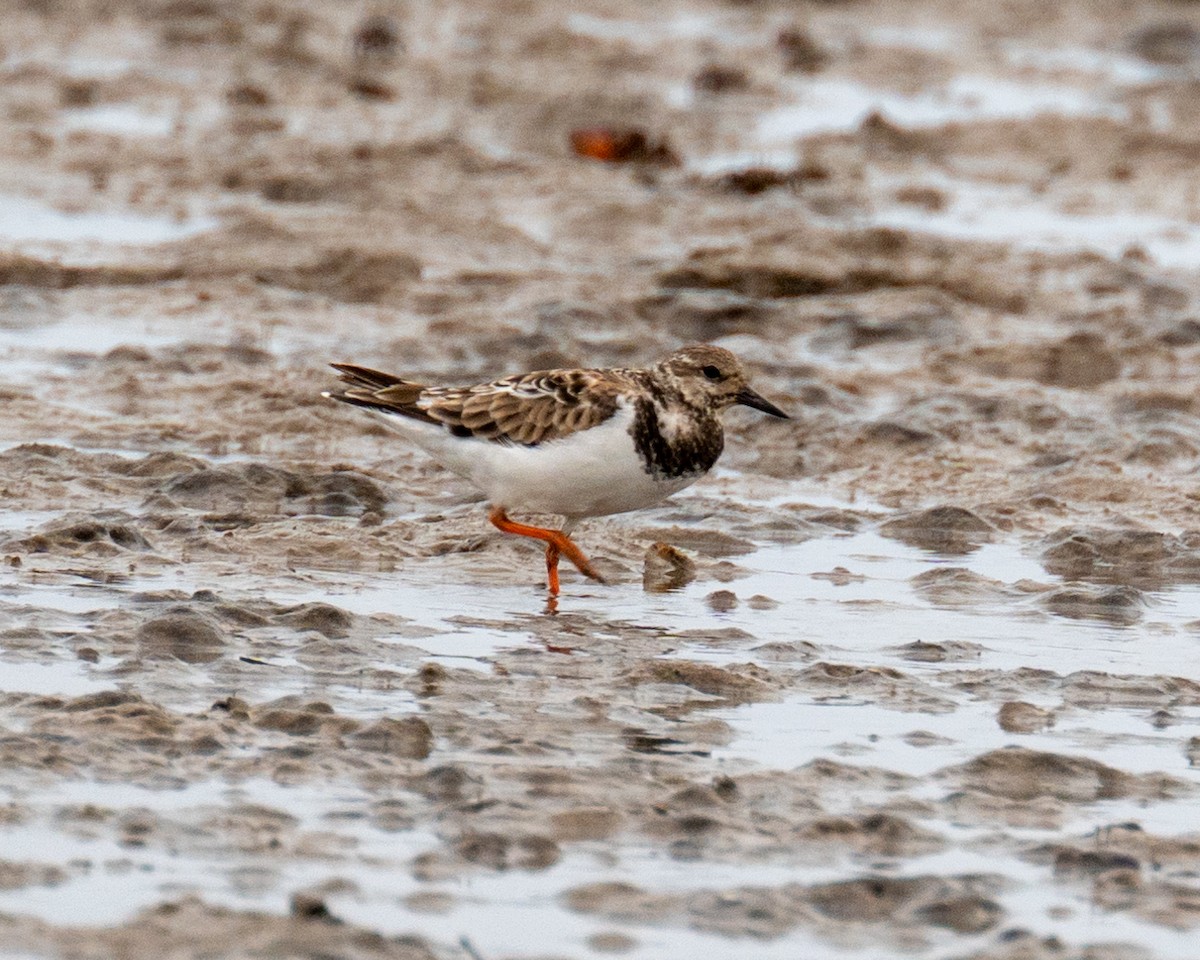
[(577, 443)]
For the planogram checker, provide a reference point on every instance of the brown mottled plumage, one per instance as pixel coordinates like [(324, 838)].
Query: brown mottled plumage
[(527, 409)]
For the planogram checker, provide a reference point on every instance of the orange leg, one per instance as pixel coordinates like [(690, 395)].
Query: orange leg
[(557, 543), (552, 555)]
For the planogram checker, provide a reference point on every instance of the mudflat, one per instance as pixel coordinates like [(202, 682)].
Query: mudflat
[(913, 674)]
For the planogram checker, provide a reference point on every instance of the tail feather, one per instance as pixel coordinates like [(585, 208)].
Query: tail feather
[(376, 390), (358, 376)]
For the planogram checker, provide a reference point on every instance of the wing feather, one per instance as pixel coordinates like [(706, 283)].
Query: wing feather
[(527, 409)]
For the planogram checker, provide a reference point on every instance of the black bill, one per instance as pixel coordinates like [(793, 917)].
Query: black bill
[(749, 398)]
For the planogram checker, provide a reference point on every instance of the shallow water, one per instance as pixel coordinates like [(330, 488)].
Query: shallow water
[(29, 225), (121, 120), (833, 105), (861, 619), (1013, 215), (791, 733)]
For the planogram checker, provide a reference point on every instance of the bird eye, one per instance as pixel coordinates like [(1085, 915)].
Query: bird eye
[(713, 373)]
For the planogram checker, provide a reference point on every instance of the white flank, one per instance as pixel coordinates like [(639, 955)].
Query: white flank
[(591, 473)]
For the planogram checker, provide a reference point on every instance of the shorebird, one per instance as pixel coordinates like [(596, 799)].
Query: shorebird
[(576, 443)]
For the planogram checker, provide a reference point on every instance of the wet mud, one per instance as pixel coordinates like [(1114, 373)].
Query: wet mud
[(911, 674)]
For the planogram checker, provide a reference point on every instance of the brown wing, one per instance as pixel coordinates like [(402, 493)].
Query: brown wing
[(527, 409)]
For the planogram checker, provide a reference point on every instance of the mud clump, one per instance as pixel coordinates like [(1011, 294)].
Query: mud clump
[(1019, 717), (752, 280), (945, 529), (184, 634), (921, 652), (164, 463), (878, 834), (959, 587), (585, 823), (102, 732), (1094, 688), (1020, 774), (929, 900), (99, 701), (969, 915), (225, 489), (1167, 44), (448, 784), (306, 906), (174, 927), (870, 899), (1121, 606), (18, 269), (621, 901), (708, 543), (322, 618), (740, 684), (666, 568), (721, 601), (875, 902), (296, 723), (16, 876), (378, 39), (718, 78), (408, 738), (341, 494), (809, 262), (706, 314), (353, 276), (259, 489), (1071, 860), (1145, 559), (1080, 361), (800, 52), (500, 852), (105, 534)]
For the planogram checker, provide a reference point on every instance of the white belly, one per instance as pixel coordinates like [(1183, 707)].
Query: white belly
[(588, 474)]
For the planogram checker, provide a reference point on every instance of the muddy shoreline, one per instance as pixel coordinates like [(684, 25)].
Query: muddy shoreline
[(925, 685)]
